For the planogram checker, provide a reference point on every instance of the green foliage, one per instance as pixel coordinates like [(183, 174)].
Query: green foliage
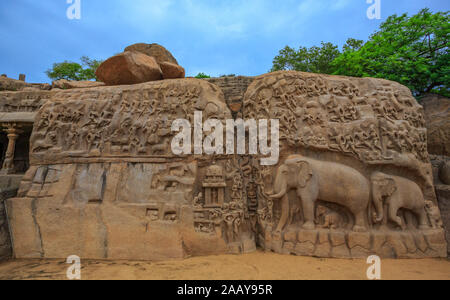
[(202, 75), (410, 50), (74, 71), (314, 59)]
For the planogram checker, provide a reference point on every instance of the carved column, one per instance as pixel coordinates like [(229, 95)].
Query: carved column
[(13, 134)]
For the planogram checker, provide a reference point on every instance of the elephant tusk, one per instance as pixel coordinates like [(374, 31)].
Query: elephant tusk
[(279, 195)]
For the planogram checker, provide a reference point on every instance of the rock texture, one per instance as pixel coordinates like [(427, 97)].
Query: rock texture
[(364, 130), (104, 182), (437, 112), (160, 53), (9, 84), (442, 192), (171, 71), (8, 189), (129, 68), (444, 172), (233, 89), (70, 84)]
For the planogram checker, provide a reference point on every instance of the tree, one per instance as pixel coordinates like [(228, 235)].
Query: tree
[(410, 50), (314, 59), (74, 71), (202, 75)]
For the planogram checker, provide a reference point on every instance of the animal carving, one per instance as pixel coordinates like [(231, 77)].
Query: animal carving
[(433, 214), (329, 219), (320, 180), (397, 192)]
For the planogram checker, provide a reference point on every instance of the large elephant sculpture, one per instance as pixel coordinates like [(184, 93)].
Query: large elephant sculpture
[(320, 180), (397, 192)]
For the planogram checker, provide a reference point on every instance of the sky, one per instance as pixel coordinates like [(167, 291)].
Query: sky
[(215, 37)]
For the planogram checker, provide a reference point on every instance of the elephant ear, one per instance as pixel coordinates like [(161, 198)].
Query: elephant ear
[(389, 187), (305, 173)]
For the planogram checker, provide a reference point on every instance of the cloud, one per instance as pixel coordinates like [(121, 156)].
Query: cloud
[(310, 8)]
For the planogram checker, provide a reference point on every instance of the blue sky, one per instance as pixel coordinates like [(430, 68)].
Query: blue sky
[(211, 36)]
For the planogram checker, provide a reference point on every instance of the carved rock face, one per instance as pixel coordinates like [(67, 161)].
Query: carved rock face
[(444, 172), (69, 84), (104, 183), (129, 68), (437, 115)]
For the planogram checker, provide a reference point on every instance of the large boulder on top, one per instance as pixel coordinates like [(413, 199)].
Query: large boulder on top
[(129, 68), (160, 53), (171, 71)]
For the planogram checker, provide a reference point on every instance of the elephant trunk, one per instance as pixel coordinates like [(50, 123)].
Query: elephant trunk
[(378, 202)]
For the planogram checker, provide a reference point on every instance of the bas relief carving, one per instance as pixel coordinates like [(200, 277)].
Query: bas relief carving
[(354, 161), (353, 178)]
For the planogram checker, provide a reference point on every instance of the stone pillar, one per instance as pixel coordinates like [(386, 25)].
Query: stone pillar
[(22, 77), (13, 134)]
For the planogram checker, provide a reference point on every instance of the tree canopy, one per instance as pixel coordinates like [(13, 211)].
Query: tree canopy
[(74, 71), (412, 50)]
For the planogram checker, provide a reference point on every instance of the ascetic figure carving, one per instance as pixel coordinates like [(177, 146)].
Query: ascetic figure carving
[(327, 181), (398, 192)]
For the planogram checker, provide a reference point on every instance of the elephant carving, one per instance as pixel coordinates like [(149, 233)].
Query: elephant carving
[(397, 192), (319, 180)]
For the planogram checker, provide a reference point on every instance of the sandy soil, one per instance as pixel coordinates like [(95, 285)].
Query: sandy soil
[(255, 266)]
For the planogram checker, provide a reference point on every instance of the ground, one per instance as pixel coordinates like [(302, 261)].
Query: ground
[(255, 266)]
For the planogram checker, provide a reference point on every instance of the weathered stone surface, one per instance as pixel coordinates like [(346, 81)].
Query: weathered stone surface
[(102, 166), (8, 189), (443, 194), (129, 68), (337, 238), (308, 236), (233, 89), (323, 247), (70, 84), (160, 53), (130, 205), (305, 249), (9, 84), (341, 251), (171, 71), (437, 115), (444, 172), (395, 241), (361, 239), (291, 236)]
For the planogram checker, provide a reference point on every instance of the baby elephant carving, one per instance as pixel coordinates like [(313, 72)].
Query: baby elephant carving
[(329, 219), (397, 192)]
